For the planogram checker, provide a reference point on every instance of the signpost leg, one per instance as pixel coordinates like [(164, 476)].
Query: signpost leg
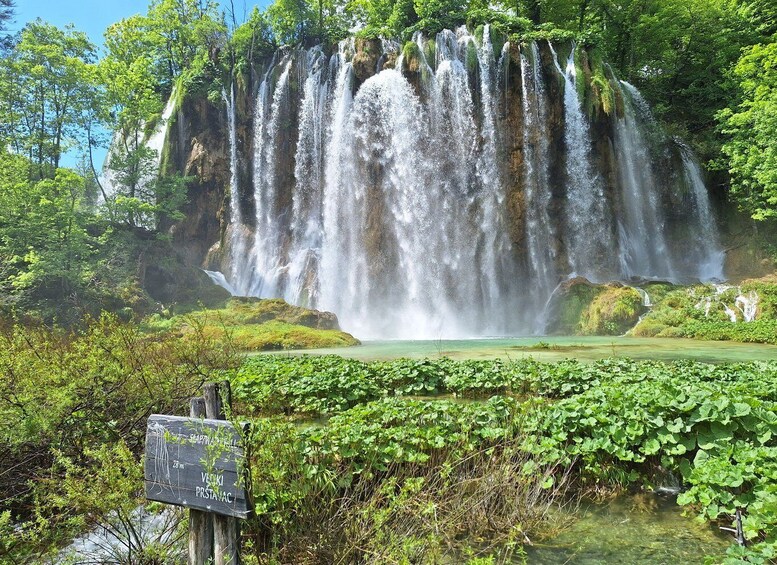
[(225, 529), (200, 523)]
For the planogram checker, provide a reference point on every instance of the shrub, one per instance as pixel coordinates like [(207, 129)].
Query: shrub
[(64, 395)]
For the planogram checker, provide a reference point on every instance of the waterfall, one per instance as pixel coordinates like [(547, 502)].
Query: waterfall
[(704, 253), (306, 229), (155, 142), (339, 210), (219, 279), (536, 147), (590, 246), (387, 198), (642, 223), (496, 246), (238, 243), (269, 246)]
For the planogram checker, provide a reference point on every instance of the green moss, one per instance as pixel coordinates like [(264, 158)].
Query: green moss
[(430, 51), (766, 288), (620, 103), (255, 324), (275, 335), (582, 81), (569, 307), (472, 57), (658, 291), (498, 40), (613, 311), (602, 92), (648, 328), (411, 57), (479, 34), (701, 312)]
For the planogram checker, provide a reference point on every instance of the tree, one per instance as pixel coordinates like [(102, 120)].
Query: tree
[(6, 15), (750, 128), (44, 243), (292, 21), (182, 30), (47, 82), (251, 40)]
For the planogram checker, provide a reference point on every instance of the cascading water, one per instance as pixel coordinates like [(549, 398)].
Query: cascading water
[(396, 209), (536, 145), (590, 244), (219, 279), (155, 142), (496, 247), (306, 231), (705, 254), (641, 224), (269, 251), (238, 244)]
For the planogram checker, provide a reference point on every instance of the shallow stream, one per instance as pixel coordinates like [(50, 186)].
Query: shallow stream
[(645, 529)]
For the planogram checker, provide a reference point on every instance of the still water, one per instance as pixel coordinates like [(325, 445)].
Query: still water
[(557, 348)]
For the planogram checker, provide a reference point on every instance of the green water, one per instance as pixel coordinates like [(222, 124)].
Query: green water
[(558, 348), (631, 530)]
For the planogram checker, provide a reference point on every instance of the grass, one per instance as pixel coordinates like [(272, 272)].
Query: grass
[(254, 324), (275, 335)]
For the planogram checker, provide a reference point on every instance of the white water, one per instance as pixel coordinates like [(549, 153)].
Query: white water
[(590, 242), (397, 218), (641, 224), (238, 245), (744, 307), (646, 302), (705, 254), (218, 278), (269, 260), (747, 305), (536, 142)]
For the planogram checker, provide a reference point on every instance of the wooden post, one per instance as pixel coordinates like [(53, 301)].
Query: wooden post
[(226, 535), (213, 408), (200, 523)]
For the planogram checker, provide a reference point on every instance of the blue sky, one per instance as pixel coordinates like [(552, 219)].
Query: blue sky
[(90, 16), (94, 16)]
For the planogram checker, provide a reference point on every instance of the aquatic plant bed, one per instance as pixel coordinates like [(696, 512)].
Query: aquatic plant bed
[(386, 436)]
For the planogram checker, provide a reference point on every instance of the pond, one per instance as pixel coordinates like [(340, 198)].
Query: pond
[(558, 348)]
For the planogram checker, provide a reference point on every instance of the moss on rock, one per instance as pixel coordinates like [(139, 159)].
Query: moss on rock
[(574, 297), (254, 324), (613, 311), (583, 308), (766, 290), (714, 312), (365, 59), (411, 57)]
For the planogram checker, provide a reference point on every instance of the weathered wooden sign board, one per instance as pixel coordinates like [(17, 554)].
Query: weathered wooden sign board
[(196, 462)]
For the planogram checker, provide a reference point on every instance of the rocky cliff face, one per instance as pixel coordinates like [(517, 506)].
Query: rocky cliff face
[(199, 148)]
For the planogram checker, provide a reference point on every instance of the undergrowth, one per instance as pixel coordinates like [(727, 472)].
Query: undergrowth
[(607, 425)]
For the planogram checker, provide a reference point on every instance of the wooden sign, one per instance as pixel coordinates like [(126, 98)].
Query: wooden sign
[(197, 463)]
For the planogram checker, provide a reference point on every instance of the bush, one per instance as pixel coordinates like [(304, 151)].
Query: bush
[(65, 395)]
